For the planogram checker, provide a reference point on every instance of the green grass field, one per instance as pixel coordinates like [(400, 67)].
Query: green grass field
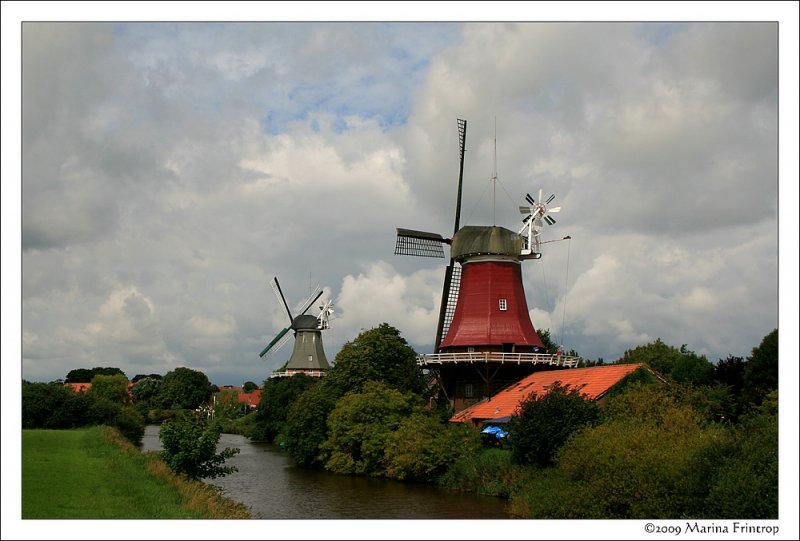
[(93, 473)]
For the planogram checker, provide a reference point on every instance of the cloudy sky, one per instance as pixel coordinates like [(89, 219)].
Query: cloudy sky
[(170, 170)]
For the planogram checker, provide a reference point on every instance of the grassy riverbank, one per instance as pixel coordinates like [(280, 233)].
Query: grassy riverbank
[(94, 473)]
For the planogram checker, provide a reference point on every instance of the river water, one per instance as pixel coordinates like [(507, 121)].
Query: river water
[(273, 488)]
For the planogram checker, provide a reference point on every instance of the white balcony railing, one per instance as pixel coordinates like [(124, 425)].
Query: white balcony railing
[(498, 357), (312, 373)]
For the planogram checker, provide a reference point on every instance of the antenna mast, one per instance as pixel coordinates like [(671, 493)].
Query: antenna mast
[(494, 176)]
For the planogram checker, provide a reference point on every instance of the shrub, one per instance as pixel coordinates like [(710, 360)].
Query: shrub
[(307, 425), (130, 424), (746, 484), (542, 424), (490, 472), (189, 446), (423, 447), (272, 412), (652, 458), (360, 425)]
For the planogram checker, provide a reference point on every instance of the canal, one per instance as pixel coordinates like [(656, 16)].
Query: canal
[(273, 488)]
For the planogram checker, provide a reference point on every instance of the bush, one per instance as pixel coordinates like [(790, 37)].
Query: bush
[(547, 494), (307, 425), (360, 425), (272, 412), (761, 371), (490, 472), (130, 424), (652, 458), (746, 484), (189, 446), (423, 447), (542, 424)]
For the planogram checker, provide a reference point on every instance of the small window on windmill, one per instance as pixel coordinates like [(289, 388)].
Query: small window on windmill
[(310, 359), (467, 390), (470, 349), (503, 305)]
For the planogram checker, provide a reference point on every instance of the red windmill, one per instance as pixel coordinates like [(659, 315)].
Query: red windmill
[(484, 339)]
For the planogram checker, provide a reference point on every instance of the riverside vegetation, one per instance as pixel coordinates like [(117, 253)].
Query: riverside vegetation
[(702, 446), (96, 473)]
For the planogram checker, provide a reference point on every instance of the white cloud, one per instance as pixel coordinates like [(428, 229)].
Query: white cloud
[(185, 165), (380, 294)]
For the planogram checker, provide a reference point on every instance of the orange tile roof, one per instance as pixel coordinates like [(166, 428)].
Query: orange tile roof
[(593, 382), (251, 399), (79, 387)]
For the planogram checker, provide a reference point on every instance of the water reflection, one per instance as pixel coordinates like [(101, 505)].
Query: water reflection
[(273, 488)]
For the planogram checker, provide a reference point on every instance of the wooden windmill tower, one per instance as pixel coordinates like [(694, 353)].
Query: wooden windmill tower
[(484, 339), (308, 356)]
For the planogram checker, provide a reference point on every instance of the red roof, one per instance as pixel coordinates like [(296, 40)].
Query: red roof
[(593, 382), (491, 307), (251, 399), (78, 387)]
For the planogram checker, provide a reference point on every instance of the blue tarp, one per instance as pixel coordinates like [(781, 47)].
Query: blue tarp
[(495, 431)]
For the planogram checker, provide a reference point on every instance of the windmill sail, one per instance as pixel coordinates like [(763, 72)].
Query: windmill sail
[(450, 286), (426, 244), (282, 337), (419, 243), (276, 340), (453, 278)]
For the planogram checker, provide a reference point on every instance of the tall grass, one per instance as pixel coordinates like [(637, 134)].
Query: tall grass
[(489, 472), (95, 473)]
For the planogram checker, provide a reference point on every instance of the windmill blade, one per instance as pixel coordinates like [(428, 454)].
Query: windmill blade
[(552, 196), (525, 210), (326, 311), (310, 300), (540, 195), (554, 209), (276, 287), (276, 342), (526, 218), (529, 199), (549, 220), (419, 243)]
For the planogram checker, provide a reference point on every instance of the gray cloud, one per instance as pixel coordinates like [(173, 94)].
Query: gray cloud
[(170, 170)]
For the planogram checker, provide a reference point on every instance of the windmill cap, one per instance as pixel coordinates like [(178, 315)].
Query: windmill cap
[(472, 240), (304, 322)]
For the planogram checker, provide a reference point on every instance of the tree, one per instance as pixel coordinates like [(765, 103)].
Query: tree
[(549, 345), (53, 406), (730, 372), (249, 386), (137, 377), (652, 457), (542, 424), (85, 375), (273, 409), (422, 447), (130, 424), (379, 354), (746, 484), (678, 365), (307, 424), (184, 388), (761, 372), (46, 405), (189, 446), (113, 388), (360, 424), (145, 389)]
